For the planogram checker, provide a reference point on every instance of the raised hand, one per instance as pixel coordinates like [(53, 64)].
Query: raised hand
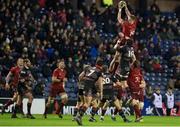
[(121, 4)]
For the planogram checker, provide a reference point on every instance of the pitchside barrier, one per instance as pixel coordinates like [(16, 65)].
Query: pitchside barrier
[(38, 107)]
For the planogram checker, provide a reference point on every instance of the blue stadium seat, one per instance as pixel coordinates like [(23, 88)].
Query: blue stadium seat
[(147, 74)]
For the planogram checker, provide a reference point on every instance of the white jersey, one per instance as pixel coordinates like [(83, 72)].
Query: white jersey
[(170, 100), (157, 100)]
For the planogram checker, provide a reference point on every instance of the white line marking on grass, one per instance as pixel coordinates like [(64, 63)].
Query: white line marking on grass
[(91, 126)]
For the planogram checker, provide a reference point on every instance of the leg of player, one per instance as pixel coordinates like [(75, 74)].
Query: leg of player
[(64, 100), (82, 110), (168, 111), (94, 110), (88, 101), (141, 106), (118, 97), (135, 104), (114, 113), (79, 103), (76, 109), (29, 104), (16, 107), (9, 102), (159, 111), (50, 99), (141, 101), (103, 106), (118, 105), (21, 106)]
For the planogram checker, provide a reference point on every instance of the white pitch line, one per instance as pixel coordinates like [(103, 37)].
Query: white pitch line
[(90, 126)]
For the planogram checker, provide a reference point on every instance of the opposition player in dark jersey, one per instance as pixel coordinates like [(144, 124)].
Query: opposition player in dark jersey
[(24, 88), (58, 88), (136, 83), (109, 95), (80, 100), (92, 76), (120, 65), (127, 58), (12, 80)]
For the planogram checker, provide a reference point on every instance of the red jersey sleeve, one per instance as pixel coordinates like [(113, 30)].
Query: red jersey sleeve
[(55, 73), (12, 70)]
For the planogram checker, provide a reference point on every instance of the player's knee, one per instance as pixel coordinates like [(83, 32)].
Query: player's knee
[(134, 102), (48, 103), (117, 106), (31, 98), (64, 98), (141, 105), (19, 102)]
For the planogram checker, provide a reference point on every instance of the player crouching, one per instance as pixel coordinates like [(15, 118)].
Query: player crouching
[(136, 83), (80, 100)]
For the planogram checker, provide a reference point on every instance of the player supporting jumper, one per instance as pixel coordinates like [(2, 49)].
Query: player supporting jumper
[(57, 88), (24, 88), (91, 77), (109, 95), (136, 83), (14, 72), (80, 100), (127, 59)]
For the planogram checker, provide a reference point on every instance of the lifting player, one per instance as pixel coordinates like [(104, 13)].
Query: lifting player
[(109, 95), (93, 76)]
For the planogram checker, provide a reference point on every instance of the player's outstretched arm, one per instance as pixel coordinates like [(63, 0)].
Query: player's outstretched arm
[(128, 13), (114, 61), (119, 18)]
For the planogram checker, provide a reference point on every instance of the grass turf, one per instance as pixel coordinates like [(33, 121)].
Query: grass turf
[(53, 120)]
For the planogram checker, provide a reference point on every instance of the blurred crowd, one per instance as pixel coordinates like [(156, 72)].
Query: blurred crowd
[(47, 30)]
